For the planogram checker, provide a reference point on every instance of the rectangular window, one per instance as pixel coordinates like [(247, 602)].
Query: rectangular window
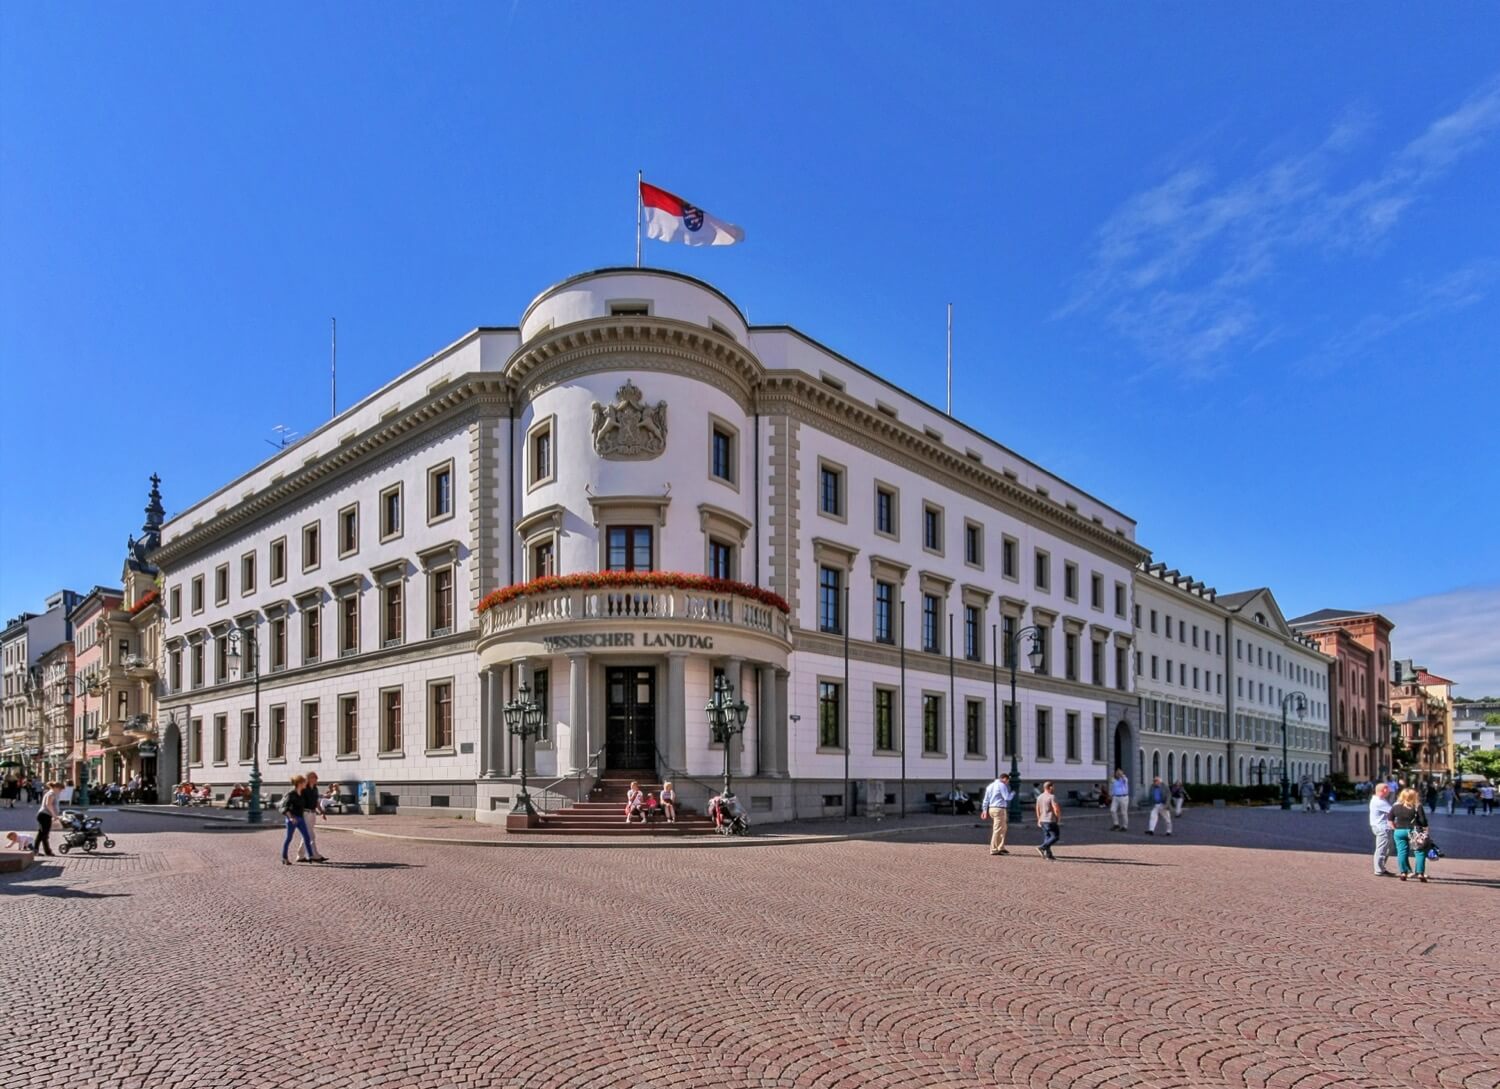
[(973, 634), (541, 695), (1043, 570), (312, 633), (1098, 749), (197, 594), (348, 740), (973, 727), (195, 741), (278, 643), (885, 720), (440, 715), (723, 455), (221, 739), (392, 627), (1096, 662), (278, 560), (628, 548), (440, 589), (932, 723), (247, 736), (1120, 603), (932, 528), (720, 560), (932, 618), (1043, 734), (349, 531), (1070, 580), (1009, 548), (247, 574), (276, 742), (390, 513), (390, 720), (310, 730), (221, 584), (1070, 730), (312, 554), (1096, 590), (1169, 671), (1010, 728), (830, 715), (1169, 625), (831, 490), (1122, 671), (885, 604), (176, 668), (197, 656), (440, 492), (1008, 641), (885, 511), (348, 625), (1044, 640), (543, 559), (830, 600), (973, 545), (541, 455), (1070, 656)]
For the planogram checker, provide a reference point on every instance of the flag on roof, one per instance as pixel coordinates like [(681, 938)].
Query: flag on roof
[(669, 218)]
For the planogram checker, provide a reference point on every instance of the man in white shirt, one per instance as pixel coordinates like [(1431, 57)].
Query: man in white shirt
[(1487, 798), (996, 806), (1119, 802), (1380, 806)]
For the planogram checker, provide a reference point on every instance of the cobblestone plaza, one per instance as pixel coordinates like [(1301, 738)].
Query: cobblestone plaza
[(1251, 949)]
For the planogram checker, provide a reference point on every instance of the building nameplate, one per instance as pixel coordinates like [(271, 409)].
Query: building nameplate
[(588, 640)]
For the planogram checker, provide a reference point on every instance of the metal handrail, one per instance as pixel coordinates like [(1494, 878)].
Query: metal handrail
[(545, 792), (662, 767)]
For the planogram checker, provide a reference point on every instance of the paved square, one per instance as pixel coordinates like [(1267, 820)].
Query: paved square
[(1254, 948)]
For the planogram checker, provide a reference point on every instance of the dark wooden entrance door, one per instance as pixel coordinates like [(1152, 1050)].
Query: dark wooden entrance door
[(630, 717)]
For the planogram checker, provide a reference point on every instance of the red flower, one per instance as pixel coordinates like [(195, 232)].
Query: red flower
[(624, 580), (145, 599)]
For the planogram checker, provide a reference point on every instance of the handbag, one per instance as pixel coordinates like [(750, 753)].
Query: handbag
[(1420, 839)]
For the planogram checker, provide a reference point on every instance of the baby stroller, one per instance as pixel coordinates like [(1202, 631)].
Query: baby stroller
[(728, 815), (81, 830)]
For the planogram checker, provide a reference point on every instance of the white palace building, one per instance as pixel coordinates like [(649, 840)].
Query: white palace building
[(611, 503)]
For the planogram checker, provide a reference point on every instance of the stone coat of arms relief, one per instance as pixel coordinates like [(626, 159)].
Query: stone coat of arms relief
[(630, 429)]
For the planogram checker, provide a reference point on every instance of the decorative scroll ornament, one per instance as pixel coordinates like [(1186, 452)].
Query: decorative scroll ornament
[(629, 429)]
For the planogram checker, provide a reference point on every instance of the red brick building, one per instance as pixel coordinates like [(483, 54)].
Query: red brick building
[(1361, 645)]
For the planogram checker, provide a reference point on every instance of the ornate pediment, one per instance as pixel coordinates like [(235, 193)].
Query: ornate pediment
[(630, 429)]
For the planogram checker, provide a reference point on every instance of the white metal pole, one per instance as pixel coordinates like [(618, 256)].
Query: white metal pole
[(950, 359), (333, 369), (637, 219)]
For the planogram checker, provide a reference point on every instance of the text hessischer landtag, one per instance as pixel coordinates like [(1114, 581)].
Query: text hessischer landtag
[(589, 640)]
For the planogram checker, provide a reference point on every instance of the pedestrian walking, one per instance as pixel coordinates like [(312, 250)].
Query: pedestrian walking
[(1380, 808), (1119, 802), (10, 790), (1471, 801), (1049, 820), (1450, 796), (1306, 790), (1179, 796), (1161, 806), (1487, 798), (295, 812), (312, 806), (1406, 818), (45, 815), (996, 806)]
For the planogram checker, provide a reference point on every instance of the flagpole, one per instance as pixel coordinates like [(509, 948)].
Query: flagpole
[(637, 219), (950, 359)]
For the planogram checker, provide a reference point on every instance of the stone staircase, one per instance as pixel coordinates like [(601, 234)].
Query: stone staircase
[(604, 814)]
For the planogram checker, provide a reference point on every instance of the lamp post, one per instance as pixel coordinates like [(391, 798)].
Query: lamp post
[(523, 718), (726, 719), (1300, 701), (251, 642), (1034, 655)]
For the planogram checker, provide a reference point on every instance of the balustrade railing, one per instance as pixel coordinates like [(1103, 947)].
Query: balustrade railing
[(647, 603)]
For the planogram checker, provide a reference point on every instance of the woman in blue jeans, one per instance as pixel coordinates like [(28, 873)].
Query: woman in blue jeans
[(295, 812), (1406, 816)]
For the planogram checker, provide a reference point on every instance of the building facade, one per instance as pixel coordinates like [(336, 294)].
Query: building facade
[(100, 693), (630, 494), (1180, 678), (1476, 725), (57, 711), (1422, 714), (1268, 666), (22, 644), (1360, 644)]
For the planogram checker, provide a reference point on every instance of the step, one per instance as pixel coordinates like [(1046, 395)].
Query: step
[(669, 831)]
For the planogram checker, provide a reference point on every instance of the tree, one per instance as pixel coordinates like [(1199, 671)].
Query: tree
[(1478, 762)]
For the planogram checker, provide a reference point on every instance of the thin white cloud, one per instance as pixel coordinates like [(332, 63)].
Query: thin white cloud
[(1174, 268), (1455, 635), (1424, 301)]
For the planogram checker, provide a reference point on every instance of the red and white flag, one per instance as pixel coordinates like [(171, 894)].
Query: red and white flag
[(671, 219)]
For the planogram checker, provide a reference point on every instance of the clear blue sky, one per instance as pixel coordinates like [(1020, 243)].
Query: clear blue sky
[(1234, 270)]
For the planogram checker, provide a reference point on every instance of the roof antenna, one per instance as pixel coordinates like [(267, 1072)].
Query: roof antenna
[(950, 359), (333, 374), (284, 437)]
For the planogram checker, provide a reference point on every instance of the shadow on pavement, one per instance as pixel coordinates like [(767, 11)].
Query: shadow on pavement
[(1065, 857), (368, 866)]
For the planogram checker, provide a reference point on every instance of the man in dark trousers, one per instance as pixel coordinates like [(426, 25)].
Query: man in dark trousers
[(1049, 819)]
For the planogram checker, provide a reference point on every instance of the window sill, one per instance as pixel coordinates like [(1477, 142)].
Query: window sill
[(830, 750), (311, 758), (885, 752), (448, 751), (275, 760), (389, 643), (446, 516), (395, 755), (438, 633), (932, 753), (311, 661), (975, 756), (348, 653), (221, 763), (347, 756)]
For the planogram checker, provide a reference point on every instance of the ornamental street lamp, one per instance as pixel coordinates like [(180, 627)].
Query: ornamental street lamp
[(1035, 656), (1298, 700), (85, 687), (247, 635), (523, 718), (725, 720)]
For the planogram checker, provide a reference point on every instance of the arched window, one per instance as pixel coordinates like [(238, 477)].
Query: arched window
[(1155, 764), (1197, 768), (1171, 767), (1220, 779)]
